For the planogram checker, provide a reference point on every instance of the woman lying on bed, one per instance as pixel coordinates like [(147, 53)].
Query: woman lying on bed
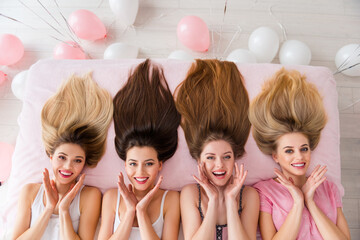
[(75, 122), (214, 106), (288, 117), (146, 123)]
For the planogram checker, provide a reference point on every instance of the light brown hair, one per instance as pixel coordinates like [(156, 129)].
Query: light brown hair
[(287, 103), (80, 112), (214, 105)]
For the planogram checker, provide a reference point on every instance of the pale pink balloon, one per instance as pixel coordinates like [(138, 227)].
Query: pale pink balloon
[(2, 77), (68, 50), (87, 25), (6, 152), (11, 49), (193, 32)]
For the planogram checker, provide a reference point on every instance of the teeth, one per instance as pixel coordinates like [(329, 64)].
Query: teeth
[(219, 173), (298, 164), (65, 173), (141, 179)]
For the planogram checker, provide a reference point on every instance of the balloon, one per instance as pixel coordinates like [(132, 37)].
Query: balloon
[(180, 55), (264, 43), (241, 56), (11, 49), (2, 77), (121, 51), (68, 50), (193, 33), (295, 52), (126, 10), (347, 56), (87, 25), (6, 152), (18, 85)]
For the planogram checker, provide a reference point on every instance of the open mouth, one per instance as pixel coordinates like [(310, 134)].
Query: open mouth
[(298, 165), (219, 174), (141, 180), (65, 174)]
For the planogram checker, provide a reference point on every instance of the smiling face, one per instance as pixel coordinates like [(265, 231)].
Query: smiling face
[(293, 154), (218, 157), (142, 167), (67, 162)]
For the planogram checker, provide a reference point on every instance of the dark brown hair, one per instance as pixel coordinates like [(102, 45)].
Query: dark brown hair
[(145, 113), (214, 105)]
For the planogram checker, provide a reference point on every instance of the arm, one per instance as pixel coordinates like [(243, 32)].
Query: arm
[(109, 212), (291, 226), (192, 225), (171, 216), (326, 227), (22, 228), (90, 203), (244, 226)]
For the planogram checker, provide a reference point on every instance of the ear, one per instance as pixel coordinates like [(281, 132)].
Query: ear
[(160, 165), (275, 157), (51, 157)]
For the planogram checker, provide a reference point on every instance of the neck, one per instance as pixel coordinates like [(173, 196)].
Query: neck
[(299, 181), (62, 189), (141, 193)]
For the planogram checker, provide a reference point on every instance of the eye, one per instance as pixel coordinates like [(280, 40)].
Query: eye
[(304, 149), (78, 160), (132, 164), (149, 164), (62, 157), (210, 158), (227, 157), (289, 151)]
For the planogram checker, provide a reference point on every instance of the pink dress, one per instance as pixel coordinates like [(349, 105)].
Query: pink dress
[(276, 200)]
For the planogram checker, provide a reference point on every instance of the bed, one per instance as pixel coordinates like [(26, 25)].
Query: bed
[(44, 77)]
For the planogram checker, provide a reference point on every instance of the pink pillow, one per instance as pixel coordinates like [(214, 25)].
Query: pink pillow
[(44, 77)]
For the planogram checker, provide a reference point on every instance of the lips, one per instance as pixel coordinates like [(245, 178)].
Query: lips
[(141, 180), (219, 174), (65, 174)]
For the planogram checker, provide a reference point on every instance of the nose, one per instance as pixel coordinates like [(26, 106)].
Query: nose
[(68, 164), (218, 162), (298, 154), (139, 169)]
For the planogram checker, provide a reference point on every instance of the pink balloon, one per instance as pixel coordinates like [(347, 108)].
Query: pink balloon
[(68, 50), (87, 25), (11, 49), (6, 152), (2, 77), (193, 32)]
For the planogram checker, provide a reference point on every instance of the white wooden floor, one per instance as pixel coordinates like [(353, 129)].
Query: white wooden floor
[(325, 25)]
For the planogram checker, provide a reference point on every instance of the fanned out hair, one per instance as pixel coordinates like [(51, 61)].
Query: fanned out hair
[(80, 112), (145, 113), (287, 103), (214, 106)]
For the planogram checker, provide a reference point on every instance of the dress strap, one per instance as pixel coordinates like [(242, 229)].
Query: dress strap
[(162, 203), (199, 207), (240, 201), (117, 204)]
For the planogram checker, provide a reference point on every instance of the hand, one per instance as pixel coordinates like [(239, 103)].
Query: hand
[(295, 192), (51, 194), (204, 182), (233, 188), (145, 201), (313, 182), (70, 195), (127, 193)]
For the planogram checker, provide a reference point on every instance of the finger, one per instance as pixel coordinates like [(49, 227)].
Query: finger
[(314, 172), (280, 175), (317, 184), (197, 180), (241, 172), (236, 170), (53, 186), (159, 181), (244, 177)]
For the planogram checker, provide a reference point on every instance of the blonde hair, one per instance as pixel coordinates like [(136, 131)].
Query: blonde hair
[(214, 106), (80, 112), (287, 103)]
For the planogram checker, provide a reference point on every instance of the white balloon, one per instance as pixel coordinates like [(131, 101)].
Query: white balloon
[(180, 55), (349, 55), (18, 84), (264, 43), (241, 56), (126, 10), (295, 52), (121, 51)]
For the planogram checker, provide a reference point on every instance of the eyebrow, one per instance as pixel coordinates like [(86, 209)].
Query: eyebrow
[(147, 160), (305, 144), (215, 154), (67, 155)]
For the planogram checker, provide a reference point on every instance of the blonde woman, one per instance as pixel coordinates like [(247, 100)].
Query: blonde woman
[(287, 118), (74, 127), (146, 123), (214, 106)]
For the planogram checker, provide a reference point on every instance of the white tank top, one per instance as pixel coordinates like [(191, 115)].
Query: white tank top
[(52, 230), (135, 231)]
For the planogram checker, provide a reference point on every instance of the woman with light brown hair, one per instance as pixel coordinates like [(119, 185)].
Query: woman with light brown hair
[(288, 117), (214, 106), (146, 123), (75, 123)]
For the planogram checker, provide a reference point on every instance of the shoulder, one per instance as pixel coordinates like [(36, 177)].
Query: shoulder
[(110, 195), (92, 192), (190, 188), (30, 190), (189, 193), (172, 195), (171, 200), (250, 195)]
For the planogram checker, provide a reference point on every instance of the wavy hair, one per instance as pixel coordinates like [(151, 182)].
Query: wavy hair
[(145, 113), (287, 103), (214, 105), (80, 112)]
